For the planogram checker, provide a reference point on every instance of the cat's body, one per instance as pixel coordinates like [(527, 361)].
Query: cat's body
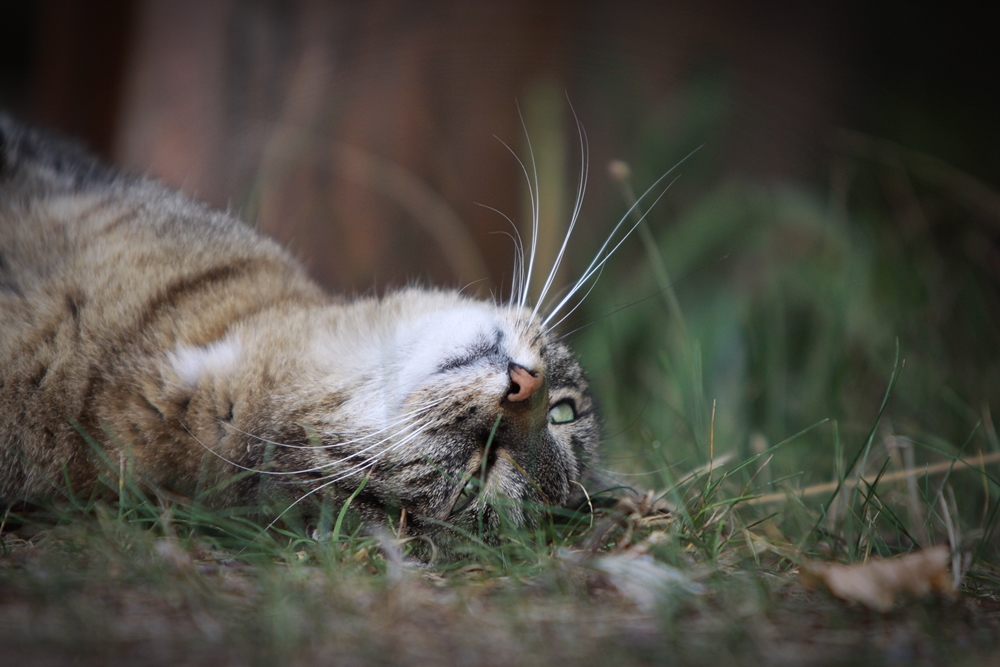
[(191, 349)]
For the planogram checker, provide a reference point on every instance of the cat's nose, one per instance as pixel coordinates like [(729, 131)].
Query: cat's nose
[(523, 383)]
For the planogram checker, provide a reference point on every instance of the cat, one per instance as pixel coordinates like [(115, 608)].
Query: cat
[(140, 329)]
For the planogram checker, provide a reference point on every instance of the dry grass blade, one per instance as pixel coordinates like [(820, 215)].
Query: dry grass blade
[(820, 489)]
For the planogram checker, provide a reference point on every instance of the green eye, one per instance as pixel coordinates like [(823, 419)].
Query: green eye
[(561, 413)]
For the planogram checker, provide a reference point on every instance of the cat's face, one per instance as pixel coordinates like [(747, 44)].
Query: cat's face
[(442, 374), (406, 391)]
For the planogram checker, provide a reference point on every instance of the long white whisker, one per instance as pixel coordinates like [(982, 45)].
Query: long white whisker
[(577, 305), (517, 278), (597, 257), (305, 470), (234, 463), (514, 274), (593, 268), (402, 420), (343, 474), (581, 190), (536, 207), (370, 462), (215, 453), (632, 207), (289, 508), (607, 256), (420, 428), (555, 298), (522, 297), (326, 484), (471, 283)]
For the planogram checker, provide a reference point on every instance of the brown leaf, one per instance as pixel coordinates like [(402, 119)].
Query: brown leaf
[(880, 583)]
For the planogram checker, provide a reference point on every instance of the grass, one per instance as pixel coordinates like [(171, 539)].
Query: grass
[(812, 377), (144, 582)]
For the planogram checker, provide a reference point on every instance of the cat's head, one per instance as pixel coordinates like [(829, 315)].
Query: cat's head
[(453, 409), (492, 414)]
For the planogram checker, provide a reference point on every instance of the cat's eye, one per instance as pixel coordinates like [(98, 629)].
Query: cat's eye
[(562, 412)]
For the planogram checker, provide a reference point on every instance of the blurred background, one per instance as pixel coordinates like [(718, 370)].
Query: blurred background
[(843, 202)]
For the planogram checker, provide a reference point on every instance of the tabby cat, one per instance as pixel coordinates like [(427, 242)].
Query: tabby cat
[(141, 330)]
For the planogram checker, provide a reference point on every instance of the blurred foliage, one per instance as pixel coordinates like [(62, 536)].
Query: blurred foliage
[(794, 298)]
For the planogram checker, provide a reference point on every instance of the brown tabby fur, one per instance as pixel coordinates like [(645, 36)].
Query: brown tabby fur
[(189, 349)]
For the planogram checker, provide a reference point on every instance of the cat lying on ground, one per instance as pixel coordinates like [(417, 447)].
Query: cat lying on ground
[(194, 350)]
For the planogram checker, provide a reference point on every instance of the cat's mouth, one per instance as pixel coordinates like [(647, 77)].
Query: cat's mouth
[(476, 482), (465, 497)]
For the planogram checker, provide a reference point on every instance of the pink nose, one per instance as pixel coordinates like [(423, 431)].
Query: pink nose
[(522, 384)]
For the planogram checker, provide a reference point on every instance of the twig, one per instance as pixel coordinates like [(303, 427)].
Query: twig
[(819, 489)]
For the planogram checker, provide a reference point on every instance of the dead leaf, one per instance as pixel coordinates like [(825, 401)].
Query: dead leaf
[(642, 579), (880, 583)]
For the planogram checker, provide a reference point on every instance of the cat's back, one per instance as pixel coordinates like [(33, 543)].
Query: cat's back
[(99, 270), (77, 232)]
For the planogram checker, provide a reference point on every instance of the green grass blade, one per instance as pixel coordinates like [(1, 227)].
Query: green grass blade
[(335, 536)]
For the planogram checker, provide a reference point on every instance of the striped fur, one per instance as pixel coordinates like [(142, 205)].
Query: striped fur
[(191, 349)]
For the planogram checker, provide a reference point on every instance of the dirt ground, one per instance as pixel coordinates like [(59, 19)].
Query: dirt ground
[(61, 603)]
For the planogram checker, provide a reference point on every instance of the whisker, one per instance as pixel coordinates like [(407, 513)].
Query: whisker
[(470, 284), (522, 297), (343, 474), (557, 296), (333, 479), (618, 309), (518, 243), (581, 190), (289, 508), (308, 470), (578, 303), (332, 464), (595, 265), (514, 274), (217, 454), (602, 256), (615, 473), (536, 208), (403, 419), (517, 278), (420, 429), (600, 470)]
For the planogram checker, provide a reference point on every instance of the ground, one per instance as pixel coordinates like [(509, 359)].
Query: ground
[(100, 590)]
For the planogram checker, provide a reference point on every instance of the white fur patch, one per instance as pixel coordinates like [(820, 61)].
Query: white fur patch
[(424, 345), (398, 353), (218, 358), (429, 341)]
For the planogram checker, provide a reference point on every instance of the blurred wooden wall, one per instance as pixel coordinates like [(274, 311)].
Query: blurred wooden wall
[(66, 61), (363, 134)]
